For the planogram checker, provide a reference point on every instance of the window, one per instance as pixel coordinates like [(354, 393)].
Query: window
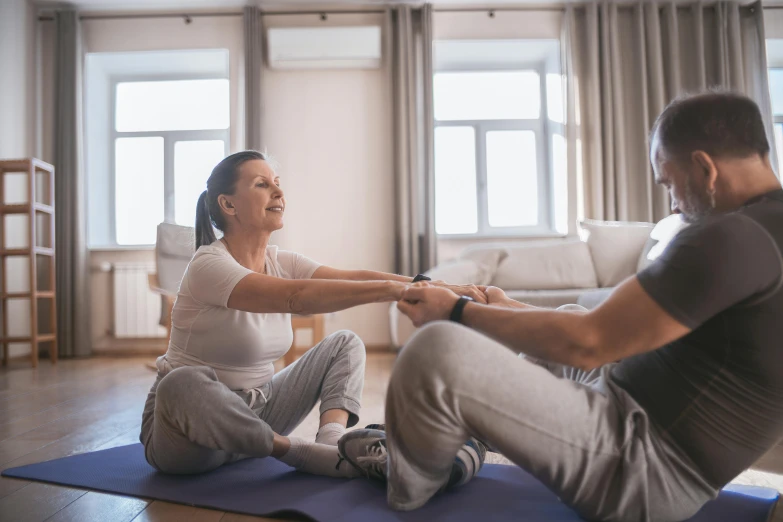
[(167, 137), (776, 90), (157, 123), (498, 116)]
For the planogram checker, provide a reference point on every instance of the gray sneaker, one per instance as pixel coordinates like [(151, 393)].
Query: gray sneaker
[(365, 450)]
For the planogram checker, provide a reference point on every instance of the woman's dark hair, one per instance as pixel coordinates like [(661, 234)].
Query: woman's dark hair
[(223, 180)]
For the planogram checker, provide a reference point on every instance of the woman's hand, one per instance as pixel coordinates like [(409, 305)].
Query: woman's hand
[(472, 291), (425, 302), (497, 297)]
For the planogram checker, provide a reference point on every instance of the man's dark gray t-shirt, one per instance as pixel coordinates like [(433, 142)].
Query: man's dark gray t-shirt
[(718, 391)]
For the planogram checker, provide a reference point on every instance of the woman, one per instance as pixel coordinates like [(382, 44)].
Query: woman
[(217, 398)]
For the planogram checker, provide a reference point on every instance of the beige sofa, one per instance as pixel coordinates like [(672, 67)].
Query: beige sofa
[(551, 273)]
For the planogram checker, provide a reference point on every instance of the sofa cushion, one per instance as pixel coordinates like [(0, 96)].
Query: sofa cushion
[(615, 247), (174, 248), (592, 298), (489, 255), (462, 272), (546, 265), (547, 298)]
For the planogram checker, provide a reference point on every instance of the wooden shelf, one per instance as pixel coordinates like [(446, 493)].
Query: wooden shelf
[(24, 208), (41, 339), (40, 175), (41, 251), (22, 295)]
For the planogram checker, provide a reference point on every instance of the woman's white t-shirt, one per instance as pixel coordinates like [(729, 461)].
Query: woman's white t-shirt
[(240, 346)]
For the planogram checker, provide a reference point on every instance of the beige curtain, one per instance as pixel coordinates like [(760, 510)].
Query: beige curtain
[(253, 32), (627, 62), (72, 257), (410, 74)]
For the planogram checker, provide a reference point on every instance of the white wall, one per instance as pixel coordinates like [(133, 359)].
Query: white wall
[(505, 25), (17, 137), (773, 22), (330, 130)]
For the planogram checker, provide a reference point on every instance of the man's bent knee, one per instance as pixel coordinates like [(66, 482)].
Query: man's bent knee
[(435, 348)]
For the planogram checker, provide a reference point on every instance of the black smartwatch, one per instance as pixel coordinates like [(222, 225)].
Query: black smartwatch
[(459, 306), (421, 277)]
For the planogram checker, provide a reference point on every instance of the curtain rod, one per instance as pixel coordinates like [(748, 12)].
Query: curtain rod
[(498, 9), (187, 16)]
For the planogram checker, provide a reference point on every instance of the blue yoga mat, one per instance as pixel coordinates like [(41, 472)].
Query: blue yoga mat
[(269, 487)]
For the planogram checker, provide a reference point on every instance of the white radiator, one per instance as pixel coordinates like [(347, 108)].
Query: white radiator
[(136, 307)]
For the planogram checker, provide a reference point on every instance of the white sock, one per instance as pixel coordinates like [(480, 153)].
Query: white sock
[(318, 459), (330, 433)]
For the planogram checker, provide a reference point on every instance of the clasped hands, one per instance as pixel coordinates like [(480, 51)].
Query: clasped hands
[(433, 301)]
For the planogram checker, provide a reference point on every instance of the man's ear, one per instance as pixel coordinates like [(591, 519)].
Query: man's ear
[(706, 164), (226, 205)]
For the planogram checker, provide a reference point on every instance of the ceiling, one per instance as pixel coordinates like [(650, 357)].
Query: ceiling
[(195, 5), (147, 5)]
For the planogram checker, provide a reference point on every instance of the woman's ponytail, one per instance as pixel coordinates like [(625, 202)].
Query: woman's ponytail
[(205, 234)]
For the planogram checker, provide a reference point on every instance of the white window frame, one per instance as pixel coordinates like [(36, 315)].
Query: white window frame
[(103, 71), (170, 138), (544, 129)]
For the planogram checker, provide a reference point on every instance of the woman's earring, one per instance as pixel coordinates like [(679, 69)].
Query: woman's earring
[(712, 198)]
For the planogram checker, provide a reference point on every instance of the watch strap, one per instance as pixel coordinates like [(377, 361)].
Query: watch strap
[(459, 306)]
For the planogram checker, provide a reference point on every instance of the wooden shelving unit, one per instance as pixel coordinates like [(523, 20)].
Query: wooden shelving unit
[(34, 210)]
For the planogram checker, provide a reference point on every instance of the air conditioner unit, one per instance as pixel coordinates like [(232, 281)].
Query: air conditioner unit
[(357, 47)]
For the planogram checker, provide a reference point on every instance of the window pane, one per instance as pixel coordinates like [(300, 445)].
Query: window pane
[(776, 90), (512, 178), (193, 163), (172, 105), (138, 196), (455, 181), (560, 171), (554, 97), (487, 95)]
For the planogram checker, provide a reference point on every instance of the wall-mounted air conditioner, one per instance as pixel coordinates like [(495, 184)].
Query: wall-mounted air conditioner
[(356, 47)]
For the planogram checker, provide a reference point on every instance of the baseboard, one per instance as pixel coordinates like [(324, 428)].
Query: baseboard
[(139, 350), (369, 348), (772, 461), (128, 352)]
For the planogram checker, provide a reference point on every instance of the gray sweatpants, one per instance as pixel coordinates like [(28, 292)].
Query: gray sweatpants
[(579, 433), (193, 423)]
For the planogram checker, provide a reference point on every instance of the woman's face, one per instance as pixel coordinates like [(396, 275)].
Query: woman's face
[(258, 201)]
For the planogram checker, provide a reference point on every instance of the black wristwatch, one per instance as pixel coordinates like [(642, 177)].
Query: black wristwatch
[(421, 277), (459, 306)]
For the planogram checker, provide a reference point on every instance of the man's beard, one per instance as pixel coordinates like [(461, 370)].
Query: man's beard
[(698, 205)]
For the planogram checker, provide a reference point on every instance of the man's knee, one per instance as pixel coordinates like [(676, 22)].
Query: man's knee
[(435, 348)]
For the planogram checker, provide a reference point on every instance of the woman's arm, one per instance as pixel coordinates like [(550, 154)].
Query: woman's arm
[(266, 294), (327, 272)]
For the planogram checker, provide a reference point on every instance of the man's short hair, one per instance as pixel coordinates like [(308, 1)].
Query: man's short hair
[(722, 124)]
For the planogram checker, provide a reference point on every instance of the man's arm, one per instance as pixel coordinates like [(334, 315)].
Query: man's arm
[(327, 272), (629, 322)]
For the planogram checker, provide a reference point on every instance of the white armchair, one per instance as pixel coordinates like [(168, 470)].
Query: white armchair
[(174, 248)]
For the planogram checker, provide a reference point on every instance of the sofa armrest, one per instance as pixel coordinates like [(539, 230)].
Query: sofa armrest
[(592, 298)]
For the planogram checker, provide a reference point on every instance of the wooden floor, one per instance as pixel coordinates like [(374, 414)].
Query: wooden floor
[(92, 404)]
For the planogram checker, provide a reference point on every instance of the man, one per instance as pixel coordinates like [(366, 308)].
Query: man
[(698, 394)]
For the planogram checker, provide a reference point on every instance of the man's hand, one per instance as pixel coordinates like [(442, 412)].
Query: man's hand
[(472, 291), (424, 303), (497, 297)]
